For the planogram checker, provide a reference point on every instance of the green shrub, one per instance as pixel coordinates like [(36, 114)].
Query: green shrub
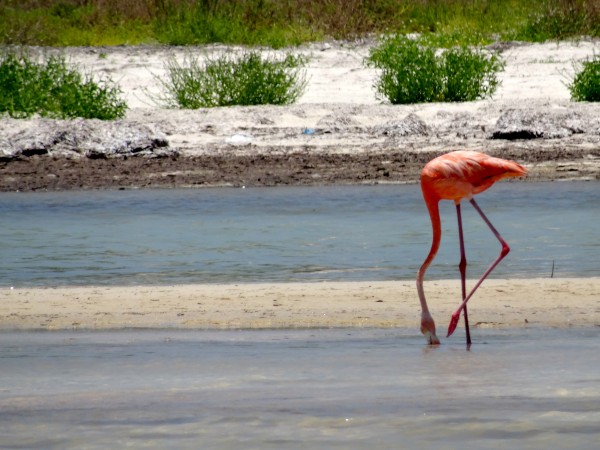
[(227, 80), (412, 72), (52, 89), (586, 84), (469, 74)]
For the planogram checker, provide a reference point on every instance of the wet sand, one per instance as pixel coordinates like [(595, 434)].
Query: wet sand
[(498, 304)]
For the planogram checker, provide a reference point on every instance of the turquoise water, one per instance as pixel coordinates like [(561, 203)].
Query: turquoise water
[(288, 234), (296, 389)]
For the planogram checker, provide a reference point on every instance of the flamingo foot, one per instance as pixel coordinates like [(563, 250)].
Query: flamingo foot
[(453, 323)]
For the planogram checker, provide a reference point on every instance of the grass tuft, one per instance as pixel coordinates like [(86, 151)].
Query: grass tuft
[(411, 71), (228, 79), (586, 84), (53, 89), (469, 74)]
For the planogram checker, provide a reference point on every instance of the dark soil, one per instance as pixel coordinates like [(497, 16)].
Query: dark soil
[(45, 172)]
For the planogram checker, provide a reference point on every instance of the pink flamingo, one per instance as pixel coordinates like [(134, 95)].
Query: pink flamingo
[(455, 176)]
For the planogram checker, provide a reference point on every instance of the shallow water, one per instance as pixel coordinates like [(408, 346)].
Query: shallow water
[(291, 389), (288, 234)]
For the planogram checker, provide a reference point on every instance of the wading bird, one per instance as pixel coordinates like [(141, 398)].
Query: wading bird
[(456, 176)]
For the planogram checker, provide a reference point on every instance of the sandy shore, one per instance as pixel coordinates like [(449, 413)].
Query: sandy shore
[(499, 303)]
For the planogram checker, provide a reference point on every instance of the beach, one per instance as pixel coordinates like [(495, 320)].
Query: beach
[(516, 303)]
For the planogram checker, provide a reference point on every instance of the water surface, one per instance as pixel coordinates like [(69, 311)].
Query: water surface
[(288, 234), (286, 389)]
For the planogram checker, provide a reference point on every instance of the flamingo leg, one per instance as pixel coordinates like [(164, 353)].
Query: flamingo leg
[(503, 253), (463, 271)]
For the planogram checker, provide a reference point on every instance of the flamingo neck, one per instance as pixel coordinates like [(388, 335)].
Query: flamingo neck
[(436, 226)]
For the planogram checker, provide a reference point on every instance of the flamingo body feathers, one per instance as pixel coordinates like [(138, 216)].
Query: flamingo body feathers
[(463, 174)]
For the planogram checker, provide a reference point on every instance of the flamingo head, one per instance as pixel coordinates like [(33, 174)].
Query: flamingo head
[(428, 329)]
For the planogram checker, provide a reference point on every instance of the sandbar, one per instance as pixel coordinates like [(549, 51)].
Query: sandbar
[(542, 302)]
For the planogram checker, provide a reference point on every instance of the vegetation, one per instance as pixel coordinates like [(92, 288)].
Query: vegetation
[(229, 79), (412, 72), (278, 23), (51, 88), (561, 19), (586, 84), (469, 74)]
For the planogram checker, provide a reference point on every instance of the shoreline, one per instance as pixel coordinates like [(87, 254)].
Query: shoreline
[(305, 168), (514, 303)]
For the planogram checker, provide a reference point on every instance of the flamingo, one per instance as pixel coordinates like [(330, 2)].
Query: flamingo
[(456, 176)]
